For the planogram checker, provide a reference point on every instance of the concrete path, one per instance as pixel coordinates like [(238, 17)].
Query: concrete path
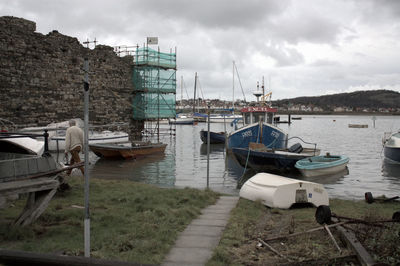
[(196, 243)]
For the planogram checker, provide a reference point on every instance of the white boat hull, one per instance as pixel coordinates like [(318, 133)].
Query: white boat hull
[(57, 143), (277, 191), (226, 119), (182, 121), (323, 171), (29, 145)]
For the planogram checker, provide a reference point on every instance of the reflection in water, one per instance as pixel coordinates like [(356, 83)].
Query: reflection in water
[(214, 148), (390, 168), (153, 169), (185, 160)]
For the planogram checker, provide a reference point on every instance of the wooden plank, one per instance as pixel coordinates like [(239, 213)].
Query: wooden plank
[(12, 257), (34, 209), (304, 232), (27, 186), (362, 254)]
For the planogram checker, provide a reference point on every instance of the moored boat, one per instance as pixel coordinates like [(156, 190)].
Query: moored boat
[(182, 120), (223, 118), (102, 137), (391, 146), (276, 191), (57, 131), (215, 137), (257, 127), (322, 165), (263, 159), (127, 150), (358, 126)]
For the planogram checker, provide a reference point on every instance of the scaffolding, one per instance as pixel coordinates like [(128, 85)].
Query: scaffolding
[(154, 79)]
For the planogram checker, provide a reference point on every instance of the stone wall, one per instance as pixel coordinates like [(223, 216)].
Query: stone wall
[(41, 78)]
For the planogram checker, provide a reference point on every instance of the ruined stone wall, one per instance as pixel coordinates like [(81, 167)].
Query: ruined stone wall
[(41, 78)]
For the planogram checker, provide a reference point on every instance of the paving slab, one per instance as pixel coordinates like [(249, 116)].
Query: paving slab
[(196, 243)]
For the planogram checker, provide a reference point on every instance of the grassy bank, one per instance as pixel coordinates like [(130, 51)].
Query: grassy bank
[(129, 221), (250, 221)]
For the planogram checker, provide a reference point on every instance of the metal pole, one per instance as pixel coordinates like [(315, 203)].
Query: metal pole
[(208, 149), (86, 150), (233, 87)]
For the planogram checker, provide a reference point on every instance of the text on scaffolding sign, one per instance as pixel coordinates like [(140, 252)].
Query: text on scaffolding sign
[(152, 40)]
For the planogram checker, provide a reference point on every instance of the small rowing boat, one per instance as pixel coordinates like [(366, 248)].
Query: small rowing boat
[(322, 165), (127, 150)]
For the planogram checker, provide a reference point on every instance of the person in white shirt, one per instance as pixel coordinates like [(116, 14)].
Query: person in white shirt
[(74, 144)]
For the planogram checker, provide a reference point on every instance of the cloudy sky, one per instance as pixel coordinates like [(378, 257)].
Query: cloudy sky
[(302, 48)]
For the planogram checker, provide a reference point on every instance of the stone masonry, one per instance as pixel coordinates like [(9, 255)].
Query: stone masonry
[(41, 78)]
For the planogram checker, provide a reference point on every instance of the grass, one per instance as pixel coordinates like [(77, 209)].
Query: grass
[(129, 221), (251, 220)]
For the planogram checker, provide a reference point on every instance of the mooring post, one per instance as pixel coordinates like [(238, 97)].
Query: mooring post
[(46, 152), (86, 150)]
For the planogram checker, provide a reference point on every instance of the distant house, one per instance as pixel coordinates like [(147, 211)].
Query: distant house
[(339, 109), (317, 109), (294, 108)]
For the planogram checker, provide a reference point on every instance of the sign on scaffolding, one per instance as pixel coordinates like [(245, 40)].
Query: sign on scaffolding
[(152, 40)]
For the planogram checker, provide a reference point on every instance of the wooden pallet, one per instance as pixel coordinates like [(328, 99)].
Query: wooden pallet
[(40, 191)]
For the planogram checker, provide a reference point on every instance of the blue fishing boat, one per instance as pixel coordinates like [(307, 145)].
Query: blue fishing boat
[(215, 137), (322, 165), (263, 159), (257, 127), (391, 146)]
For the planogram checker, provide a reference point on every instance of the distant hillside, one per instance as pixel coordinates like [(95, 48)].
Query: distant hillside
[(359, 99)]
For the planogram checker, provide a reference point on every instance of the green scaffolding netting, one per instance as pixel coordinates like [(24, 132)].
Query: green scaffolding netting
[(153, 79), (153, 106), (148, 56)]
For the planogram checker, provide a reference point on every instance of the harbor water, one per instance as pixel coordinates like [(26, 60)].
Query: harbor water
[(184, 163)]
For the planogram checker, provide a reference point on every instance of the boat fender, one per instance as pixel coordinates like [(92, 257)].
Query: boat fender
[(296, 148), (323, 214)]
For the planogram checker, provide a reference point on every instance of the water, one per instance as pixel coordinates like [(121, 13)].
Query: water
[(185, 161)]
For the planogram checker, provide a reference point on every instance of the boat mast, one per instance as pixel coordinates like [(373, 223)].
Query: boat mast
[(263, 90), (194, 96), (233, 87), (181, 93)]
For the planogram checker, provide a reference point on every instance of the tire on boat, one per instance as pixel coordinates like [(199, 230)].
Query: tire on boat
[(323, 214), (369, 198)]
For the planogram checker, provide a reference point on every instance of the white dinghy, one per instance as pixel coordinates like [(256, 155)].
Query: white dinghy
[(281, 192)]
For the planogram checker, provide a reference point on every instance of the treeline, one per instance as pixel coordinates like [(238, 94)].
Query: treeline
[(359, 99)]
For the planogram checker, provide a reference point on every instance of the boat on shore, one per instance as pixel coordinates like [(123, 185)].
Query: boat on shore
[(391, 146), (276, 191), (322, 165), (21, 144), (131, 150), (215, 137), (260, 158)]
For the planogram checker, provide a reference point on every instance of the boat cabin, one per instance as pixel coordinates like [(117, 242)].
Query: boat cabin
[(254, 114)]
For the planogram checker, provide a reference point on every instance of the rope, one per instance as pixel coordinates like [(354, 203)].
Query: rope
[(248, 155)]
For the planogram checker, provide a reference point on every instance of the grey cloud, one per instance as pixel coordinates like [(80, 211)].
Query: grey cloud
[(215, 14), (324, 63)]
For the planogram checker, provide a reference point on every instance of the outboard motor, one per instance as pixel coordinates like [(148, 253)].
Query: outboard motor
[(296, 148)]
